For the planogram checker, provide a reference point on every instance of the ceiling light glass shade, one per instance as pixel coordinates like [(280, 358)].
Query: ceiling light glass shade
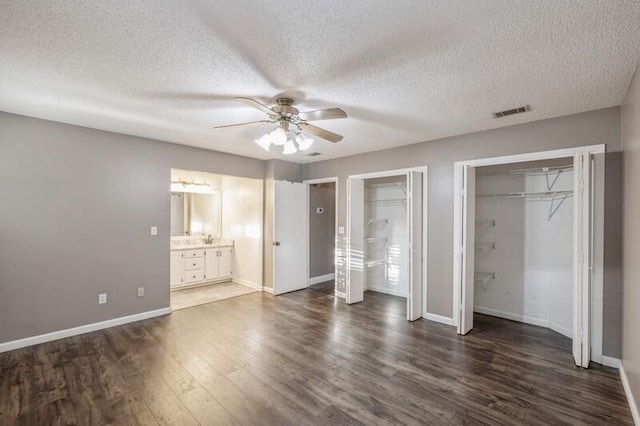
[(278, 136), (289, 147), (304, 143), (264, 142)]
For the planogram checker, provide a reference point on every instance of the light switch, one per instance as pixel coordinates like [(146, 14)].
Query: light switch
[(340, 230), (154, 230)]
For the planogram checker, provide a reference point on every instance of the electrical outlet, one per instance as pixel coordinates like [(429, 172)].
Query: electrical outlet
[(154, 230), (340, 230), (102, 298), (140, 291)]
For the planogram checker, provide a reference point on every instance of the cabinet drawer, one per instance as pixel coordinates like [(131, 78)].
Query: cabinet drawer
[(193, 263), (188, 254), (193, 276)]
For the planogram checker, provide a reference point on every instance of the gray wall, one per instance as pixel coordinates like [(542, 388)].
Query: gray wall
[(631, 239), (75, 218), (594, 127), (322, 229)]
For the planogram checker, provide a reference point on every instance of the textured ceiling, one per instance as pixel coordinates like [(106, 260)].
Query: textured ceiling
[(405, 72)]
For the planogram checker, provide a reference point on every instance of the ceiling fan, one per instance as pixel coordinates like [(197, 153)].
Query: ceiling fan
[(291, 123)]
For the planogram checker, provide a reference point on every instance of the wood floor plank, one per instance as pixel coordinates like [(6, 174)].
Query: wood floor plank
[(307, 358)]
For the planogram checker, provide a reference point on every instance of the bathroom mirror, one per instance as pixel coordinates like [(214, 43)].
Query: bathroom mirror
[(196, 214)]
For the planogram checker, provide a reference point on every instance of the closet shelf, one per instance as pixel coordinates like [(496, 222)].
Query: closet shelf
[(484, 247), (484, 278), (486, 223), (371, 221), (386, 185), (374, 239), (539, 195), (375, 262), (388, 200)]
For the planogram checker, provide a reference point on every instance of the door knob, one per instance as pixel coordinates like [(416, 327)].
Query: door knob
[(277, 243)]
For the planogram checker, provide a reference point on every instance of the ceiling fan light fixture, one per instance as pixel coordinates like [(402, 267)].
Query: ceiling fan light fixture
[(278, 136), (289, 148), (264, 142), (304, 143)]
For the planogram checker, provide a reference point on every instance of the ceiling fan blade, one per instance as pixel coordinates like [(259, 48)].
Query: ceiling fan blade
[(322, 133), (323, 114), (255, 104), (250, 123)]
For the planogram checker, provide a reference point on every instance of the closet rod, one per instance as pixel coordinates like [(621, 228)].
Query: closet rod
[(546, 194)]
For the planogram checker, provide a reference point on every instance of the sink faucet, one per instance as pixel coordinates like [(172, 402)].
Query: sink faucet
[(209, 239)]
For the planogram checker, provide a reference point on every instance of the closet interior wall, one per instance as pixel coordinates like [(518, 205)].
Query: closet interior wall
[(386, 235), (524, 244)]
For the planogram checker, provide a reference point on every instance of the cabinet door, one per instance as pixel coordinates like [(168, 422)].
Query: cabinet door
[(176, 269), (211, 264), (226, 261)]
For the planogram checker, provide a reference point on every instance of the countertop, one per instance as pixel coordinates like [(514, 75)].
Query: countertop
[(200, 246)]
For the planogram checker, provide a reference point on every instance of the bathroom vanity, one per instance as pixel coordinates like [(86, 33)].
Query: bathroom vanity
[(195, 264)]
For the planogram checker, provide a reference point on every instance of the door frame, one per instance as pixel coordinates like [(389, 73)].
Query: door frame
[(310, 182), (595, 313), (425, 215)]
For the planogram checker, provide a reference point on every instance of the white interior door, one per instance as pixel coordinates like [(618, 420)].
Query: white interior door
[(355, 240), (289, 243), (468, 248), (582, 259), (415, 203)]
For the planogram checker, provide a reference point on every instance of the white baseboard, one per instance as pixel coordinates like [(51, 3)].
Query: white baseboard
[(247, 283), (609, 361), (321, 279), (267, 289), (61, 334), (627, 391), (341, 295), (524, 319), (438, 318), (386, 291)]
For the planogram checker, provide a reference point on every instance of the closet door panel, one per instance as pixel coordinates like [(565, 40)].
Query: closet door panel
[(414, 301), (355, 241), (468, 244)]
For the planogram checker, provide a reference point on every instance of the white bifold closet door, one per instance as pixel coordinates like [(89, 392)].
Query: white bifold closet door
[(468, 252), (355, 240), (289, 244), (582, 236), (415, 220)]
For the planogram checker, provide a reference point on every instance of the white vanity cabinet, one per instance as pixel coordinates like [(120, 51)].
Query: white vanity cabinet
[(176, 269), (200, 265), (218, 263)]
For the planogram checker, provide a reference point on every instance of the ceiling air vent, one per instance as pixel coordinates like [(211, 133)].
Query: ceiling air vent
[(513, 111), (314, 154)]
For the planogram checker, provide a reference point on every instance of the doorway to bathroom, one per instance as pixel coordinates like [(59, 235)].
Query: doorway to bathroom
[(216, 237)]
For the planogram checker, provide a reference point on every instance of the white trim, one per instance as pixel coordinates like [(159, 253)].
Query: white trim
[(627, 390), (341, 295), (247, 283), (524, 319), (610, 361), (438, 318), (388, 291), (310, 182), (534, 156), (267, 289), (322, 278), (388, 173), (69, 332)]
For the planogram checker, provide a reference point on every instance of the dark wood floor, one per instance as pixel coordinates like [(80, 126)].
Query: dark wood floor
[(305, 358)]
